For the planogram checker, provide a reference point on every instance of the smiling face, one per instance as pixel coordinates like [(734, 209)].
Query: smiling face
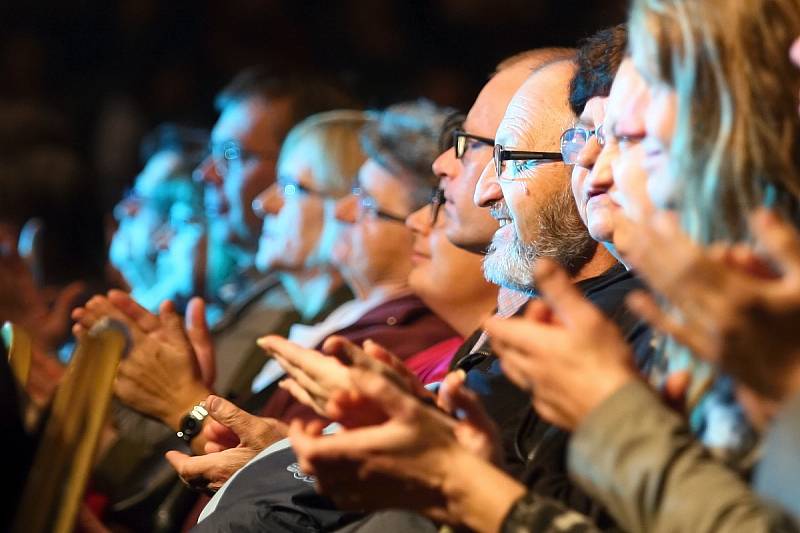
[(592, 207), (531, 200), (468, 226), (617, 178)]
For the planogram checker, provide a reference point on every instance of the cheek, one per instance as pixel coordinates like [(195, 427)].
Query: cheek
[(579, 175)]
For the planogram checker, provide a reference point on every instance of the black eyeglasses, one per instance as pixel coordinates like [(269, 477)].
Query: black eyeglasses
[(501, 155), (437, 201), (575, 139), (461, 142)]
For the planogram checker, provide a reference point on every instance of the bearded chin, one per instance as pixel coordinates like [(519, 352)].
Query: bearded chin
[(560, 234), (509, 263)]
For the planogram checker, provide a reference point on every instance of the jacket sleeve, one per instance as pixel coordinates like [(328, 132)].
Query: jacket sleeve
[(535, 514), (639, 458)]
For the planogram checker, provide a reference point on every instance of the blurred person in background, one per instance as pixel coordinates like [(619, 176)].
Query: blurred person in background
[(155, 244)]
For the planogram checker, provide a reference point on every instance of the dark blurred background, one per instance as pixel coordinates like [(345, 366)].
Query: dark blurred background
[(96, 75)]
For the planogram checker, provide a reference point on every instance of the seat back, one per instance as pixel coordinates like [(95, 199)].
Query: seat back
[(19, 347), (54, 489)]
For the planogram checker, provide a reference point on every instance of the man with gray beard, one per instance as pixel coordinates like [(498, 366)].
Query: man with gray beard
[(526, 188)]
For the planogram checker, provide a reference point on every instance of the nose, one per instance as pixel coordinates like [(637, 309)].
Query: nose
[(207, 172), (588, 155), (268, 202), (601, 177), (794, 52), (346, 209), (419, 221), (445, 165), (488, 190)]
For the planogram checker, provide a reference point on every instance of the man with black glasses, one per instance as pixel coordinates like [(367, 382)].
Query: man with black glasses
[(459, 167)]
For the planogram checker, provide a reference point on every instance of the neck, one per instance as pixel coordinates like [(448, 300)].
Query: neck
[(364, 288), (601, 261), (468, 313), (309, 291), (618, 256)]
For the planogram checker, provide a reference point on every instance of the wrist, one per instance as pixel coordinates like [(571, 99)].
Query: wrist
[(190, 397), (467, 497)]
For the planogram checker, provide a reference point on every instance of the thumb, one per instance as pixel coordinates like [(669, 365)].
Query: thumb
[(236, 419), (380, 391), (464, 404), (177, 459), (200, 339)]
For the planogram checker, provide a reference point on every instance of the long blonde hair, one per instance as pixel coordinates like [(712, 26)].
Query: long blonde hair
[(735, 145)]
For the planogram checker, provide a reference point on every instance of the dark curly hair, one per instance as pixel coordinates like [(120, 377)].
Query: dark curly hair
[(598, 59)]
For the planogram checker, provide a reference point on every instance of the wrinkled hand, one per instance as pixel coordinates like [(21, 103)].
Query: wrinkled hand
[(161, 376), (209, 472), (314, 376), (402, 461), (728, 306), (564, 348)]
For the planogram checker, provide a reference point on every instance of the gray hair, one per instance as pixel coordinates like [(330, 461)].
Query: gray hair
[(405, 139)]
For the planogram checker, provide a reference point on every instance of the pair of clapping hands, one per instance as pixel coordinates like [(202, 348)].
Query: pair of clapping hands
[(327, 381)]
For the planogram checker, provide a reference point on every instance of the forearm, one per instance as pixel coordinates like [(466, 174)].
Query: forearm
[(639, 458)]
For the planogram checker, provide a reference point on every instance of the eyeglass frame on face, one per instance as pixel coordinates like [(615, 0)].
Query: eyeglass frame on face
[(460, 145), (598, 133), (501, 154), (366, 204), (234, 151)]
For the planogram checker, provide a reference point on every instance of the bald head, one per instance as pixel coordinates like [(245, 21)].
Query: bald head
[(469, 226), (539, 111)]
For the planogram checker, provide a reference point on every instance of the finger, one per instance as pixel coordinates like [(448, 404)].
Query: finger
[(375, 351), (220, 434), (451, 382), (226, 413), (301, 395), (200, 338), (346, 351), (466, 405), (214, 447), (676, 389), (288, 351), (383, 392), (194, 470), (538, 311), (558, 291), (169, 318), (143, 318), (518, 333)]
